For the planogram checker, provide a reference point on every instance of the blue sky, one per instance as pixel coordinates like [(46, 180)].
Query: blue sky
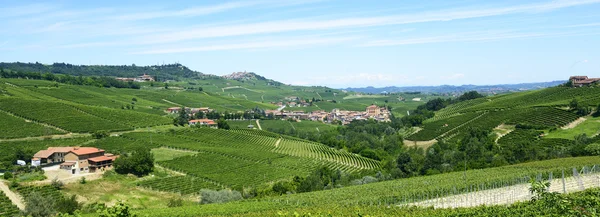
[(317, 42)]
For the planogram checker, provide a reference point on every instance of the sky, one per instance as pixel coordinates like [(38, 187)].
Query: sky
[(335, 43)]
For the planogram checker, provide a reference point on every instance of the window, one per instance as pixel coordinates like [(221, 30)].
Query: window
[(80, 169)]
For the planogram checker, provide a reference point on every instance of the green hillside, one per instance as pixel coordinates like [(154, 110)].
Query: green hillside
[(383, 197), (546, 109)]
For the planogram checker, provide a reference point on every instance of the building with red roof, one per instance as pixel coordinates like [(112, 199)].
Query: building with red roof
[(75, 159)]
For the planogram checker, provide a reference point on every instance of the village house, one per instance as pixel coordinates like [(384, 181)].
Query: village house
[(75, 159), (141, 78), (373, 110), (203, 122), (580, 81)]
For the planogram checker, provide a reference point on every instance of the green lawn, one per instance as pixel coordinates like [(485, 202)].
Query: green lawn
[(165, 154), (590, 127)]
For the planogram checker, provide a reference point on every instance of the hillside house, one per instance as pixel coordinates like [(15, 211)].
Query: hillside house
[(580, 81), (203, 122), (50, 156), (173, 110), (75, 159), (87, 159)]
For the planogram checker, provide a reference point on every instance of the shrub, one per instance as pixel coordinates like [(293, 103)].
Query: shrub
[(100, 134), (82, 180), (57, 184), (8, 175), (67, 205), (118, 210), (364, 180), (208, 196), (593, 149), (175, 202)]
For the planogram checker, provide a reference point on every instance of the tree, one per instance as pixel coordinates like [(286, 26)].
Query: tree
[(118, 210), (38, 205), (573, 104), (182, 118), (222, 124), (208, 196), (200, 89), (139, 163)]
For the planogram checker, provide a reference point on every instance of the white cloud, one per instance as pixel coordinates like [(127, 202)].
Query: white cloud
[(188, 12), (302, 25), (249, 45), (466, 37)]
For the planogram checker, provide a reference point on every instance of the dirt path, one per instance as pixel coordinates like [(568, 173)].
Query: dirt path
[(15, 198), (171, 102), (277, 143), (258, 124), (574, 123), (509, 195)]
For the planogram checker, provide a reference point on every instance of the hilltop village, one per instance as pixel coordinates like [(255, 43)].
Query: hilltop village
[(336, 116)]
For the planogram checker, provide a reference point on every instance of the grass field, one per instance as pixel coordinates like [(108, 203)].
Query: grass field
[(591, 127), (165, 154)]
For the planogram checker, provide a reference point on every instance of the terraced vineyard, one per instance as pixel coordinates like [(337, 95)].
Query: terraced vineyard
[(7, 208), (178, 184)]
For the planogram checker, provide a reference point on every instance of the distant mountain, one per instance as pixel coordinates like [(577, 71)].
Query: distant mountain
[(458, 89)]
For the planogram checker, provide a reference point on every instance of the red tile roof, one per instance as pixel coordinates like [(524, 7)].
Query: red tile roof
[(101, 158), (86, 150), (60, 149)]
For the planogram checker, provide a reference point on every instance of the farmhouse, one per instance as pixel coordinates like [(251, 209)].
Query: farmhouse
[(580, 81), (75, 159), (204, 122)]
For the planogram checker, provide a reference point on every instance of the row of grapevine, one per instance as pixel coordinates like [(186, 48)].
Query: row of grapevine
[(7, 208), (434, 129), (256, 133), (347, 161), (178, 184), (45, 190)]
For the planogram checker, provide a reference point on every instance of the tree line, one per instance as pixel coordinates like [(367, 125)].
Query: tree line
[(68, 79)]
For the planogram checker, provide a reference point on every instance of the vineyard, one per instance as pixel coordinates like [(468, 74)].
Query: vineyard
[(58, 115), (178, 184), (46, 191), (13, 127), (341, 160), (389, 193), (7, 208), (456, 126), (243, 157)]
